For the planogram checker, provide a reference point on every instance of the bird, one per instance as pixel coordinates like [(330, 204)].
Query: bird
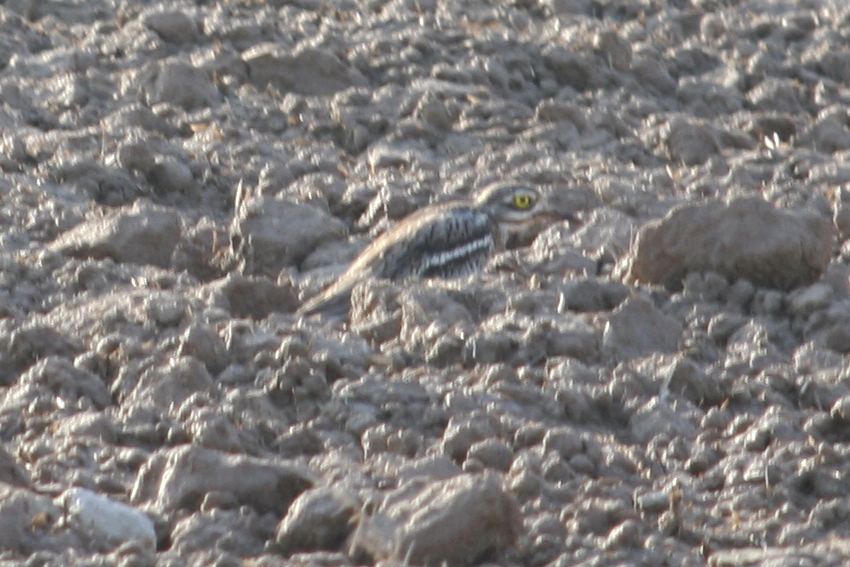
[(445, 240)]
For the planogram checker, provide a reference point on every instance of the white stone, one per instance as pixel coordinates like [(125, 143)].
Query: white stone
[(105, 518)]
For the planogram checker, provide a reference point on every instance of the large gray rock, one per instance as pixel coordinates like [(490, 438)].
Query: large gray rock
[(11, 472), (173, 26), (180, 477), (222, 532), (254, 297), (656, 417), (689, 141), (748, 238), (170, 384), (448, 522), (321, 518), (180, 84), (274, 233), (55, 380), (309, 70), (20, 510), (143, 233), (636, 328)]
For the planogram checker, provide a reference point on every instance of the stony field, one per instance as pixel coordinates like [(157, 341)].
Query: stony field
[(662, 383)]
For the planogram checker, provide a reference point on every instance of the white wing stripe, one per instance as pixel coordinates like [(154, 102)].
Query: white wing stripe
[(443, 258)]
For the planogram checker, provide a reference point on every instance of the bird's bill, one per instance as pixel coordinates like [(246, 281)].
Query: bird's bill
[(522, 233), (540, 219), (551, 216)]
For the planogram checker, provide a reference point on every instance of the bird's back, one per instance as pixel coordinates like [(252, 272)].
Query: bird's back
[(449, 240)]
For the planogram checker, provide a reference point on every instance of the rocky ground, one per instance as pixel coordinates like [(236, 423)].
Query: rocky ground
[(663, 384)]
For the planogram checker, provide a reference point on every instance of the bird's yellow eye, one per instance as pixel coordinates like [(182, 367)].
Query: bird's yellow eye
[(523, 201)]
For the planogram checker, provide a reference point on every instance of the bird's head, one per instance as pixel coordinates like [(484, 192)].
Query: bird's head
[(515, 206), (519, 211)]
